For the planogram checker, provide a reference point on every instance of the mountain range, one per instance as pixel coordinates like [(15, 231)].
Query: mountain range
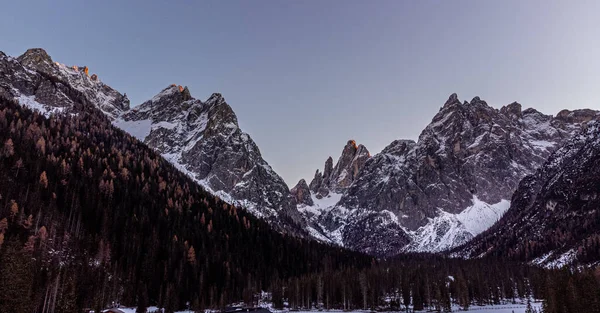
[(431, 195)]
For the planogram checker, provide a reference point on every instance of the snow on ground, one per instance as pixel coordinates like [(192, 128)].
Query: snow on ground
[(29, 102), (507, 308), (321, 205), (150, 309), (554, 260), (449, 230), (480, 216), (503, 308)]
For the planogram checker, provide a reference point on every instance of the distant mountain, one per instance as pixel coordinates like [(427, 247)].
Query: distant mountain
[(451, 185), (554, 217)]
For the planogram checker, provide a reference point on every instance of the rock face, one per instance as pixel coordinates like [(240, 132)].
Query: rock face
[(449, 186), (301, 193), (553, 219)]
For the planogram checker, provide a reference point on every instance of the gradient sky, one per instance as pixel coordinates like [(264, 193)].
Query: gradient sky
[(305, 76)]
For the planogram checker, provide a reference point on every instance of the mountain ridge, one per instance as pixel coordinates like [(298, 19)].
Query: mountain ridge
[(417, 196)]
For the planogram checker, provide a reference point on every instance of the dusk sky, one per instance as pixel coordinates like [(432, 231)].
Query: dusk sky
[(305, 76)]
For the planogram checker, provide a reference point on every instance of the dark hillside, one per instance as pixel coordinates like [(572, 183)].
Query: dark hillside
[(92, 215)]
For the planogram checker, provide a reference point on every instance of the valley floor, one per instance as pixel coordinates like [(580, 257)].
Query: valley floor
[(503, 308)]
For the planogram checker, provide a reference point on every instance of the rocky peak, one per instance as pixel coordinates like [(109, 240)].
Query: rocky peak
[(321, 180), (164, 106), (186, 94), (577, 116), (399, 147), (328, 168), (301, 193), (452, 100), (477, 101), (337, 179), (348, 166), (34, 57), (38, 60), (316, 182), (215, 99), (512, 111)]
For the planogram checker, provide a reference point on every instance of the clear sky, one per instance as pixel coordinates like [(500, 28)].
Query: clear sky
[(305, 76)]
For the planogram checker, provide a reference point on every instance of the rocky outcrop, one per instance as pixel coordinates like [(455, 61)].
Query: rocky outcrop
[(301, 193), (337, 179)]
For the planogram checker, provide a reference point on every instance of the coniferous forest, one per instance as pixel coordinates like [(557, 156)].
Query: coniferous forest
[(90, 216)]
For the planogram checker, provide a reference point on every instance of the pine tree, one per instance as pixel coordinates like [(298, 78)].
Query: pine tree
[(17, 278)]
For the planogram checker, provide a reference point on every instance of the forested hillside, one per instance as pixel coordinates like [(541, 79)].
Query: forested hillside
[(89, 215)]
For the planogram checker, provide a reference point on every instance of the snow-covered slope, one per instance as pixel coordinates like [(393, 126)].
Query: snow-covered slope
[(448, 230)]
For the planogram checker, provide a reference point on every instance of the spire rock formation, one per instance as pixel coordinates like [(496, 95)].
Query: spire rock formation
[(338, 178)]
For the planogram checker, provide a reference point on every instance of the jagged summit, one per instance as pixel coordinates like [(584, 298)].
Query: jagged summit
[(301, 193), (577, 116), (35, 80), (338, 178), (513, 111), (452, 100), (34, 56)]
